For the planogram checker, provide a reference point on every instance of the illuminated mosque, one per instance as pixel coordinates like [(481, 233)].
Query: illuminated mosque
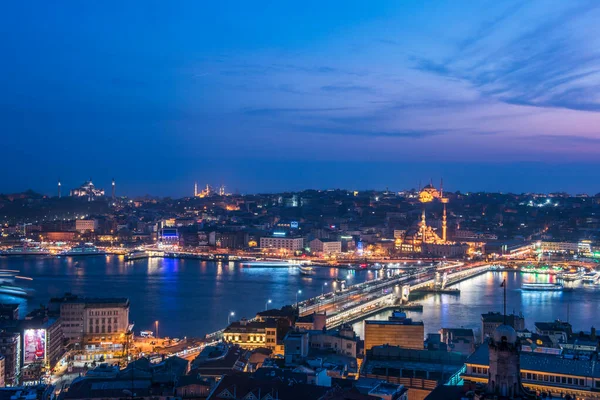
[(418, 237)]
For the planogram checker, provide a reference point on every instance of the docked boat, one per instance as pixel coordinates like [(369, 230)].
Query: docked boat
[(306, 269), (591, 277), (26, 249), (271, 264), (137, 255), (86, 249), (572, 275), (542, 287)]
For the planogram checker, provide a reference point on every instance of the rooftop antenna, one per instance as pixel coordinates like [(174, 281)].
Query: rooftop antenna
[(59, 188), (113, 188)]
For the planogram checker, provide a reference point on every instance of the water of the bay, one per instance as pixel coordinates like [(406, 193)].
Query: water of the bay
[(192, 298), (580, 304), (187, 297)]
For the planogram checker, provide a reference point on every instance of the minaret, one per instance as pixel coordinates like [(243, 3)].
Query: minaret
[(113, 188), (444, 218), (59, 188), (423, 222), (196, 189)]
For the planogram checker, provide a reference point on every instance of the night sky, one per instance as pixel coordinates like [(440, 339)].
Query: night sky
[(276, 95)]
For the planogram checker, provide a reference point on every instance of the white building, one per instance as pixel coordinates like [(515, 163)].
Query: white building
[(86, 225), (282, 242), (326, 246), (93, 320), (559, 247)]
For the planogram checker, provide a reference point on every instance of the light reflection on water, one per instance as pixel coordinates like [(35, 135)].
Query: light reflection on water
[(483, 293), (191, 298), (188, 297)]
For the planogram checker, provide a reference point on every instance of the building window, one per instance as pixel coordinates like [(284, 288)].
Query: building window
[(570, 381), (109, 329), (103, 329), (97, 328)]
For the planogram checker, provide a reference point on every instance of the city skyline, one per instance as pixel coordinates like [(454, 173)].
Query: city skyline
[(268, 98), (205, 189)]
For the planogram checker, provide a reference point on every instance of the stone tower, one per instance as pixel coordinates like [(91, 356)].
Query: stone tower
[(505, 364)]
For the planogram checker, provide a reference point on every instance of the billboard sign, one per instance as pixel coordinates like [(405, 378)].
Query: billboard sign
[(34, 346)]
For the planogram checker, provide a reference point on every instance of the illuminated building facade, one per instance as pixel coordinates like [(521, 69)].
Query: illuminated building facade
[(252, 334), (397, 331), (282, 243), (326, 246), (86, 225), (87, 190)]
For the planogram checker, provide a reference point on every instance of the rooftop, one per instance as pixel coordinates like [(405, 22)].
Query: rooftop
[(245, 386), (406, 321), (543, 363), (250, 326)]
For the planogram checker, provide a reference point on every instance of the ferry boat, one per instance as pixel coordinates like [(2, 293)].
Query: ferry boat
[(86, 249), (272, 264), (542, 286), (591, 277), (26, 249), (306, 269), (572, 275), (136, 255)]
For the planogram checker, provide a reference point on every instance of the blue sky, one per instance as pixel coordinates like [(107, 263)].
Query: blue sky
[(269, 96)]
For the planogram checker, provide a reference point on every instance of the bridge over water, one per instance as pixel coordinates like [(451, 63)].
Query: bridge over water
[(369, 298)]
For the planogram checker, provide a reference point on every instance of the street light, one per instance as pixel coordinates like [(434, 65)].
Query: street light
[(267, 304), (156, 328), (323, 289), (231, 314), (297, 293)]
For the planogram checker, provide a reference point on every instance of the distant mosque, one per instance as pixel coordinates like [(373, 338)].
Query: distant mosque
[(423, 238), (87, 189), (208, 191)]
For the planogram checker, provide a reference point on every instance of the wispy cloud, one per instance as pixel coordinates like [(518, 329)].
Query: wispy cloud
[(347, 131), (347, 89), (545, 65), (291, 110)]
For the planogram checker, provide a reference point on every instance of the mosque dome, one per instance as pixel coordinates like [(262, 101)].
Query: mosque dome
[(505, 331)]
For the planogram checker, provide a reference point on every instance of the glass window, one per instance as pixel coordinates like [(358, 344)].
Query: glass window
[(570, 381)]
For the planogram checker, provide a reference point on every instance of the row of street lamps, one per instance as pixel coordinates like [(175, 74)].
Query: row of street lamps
[(269, 301)]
